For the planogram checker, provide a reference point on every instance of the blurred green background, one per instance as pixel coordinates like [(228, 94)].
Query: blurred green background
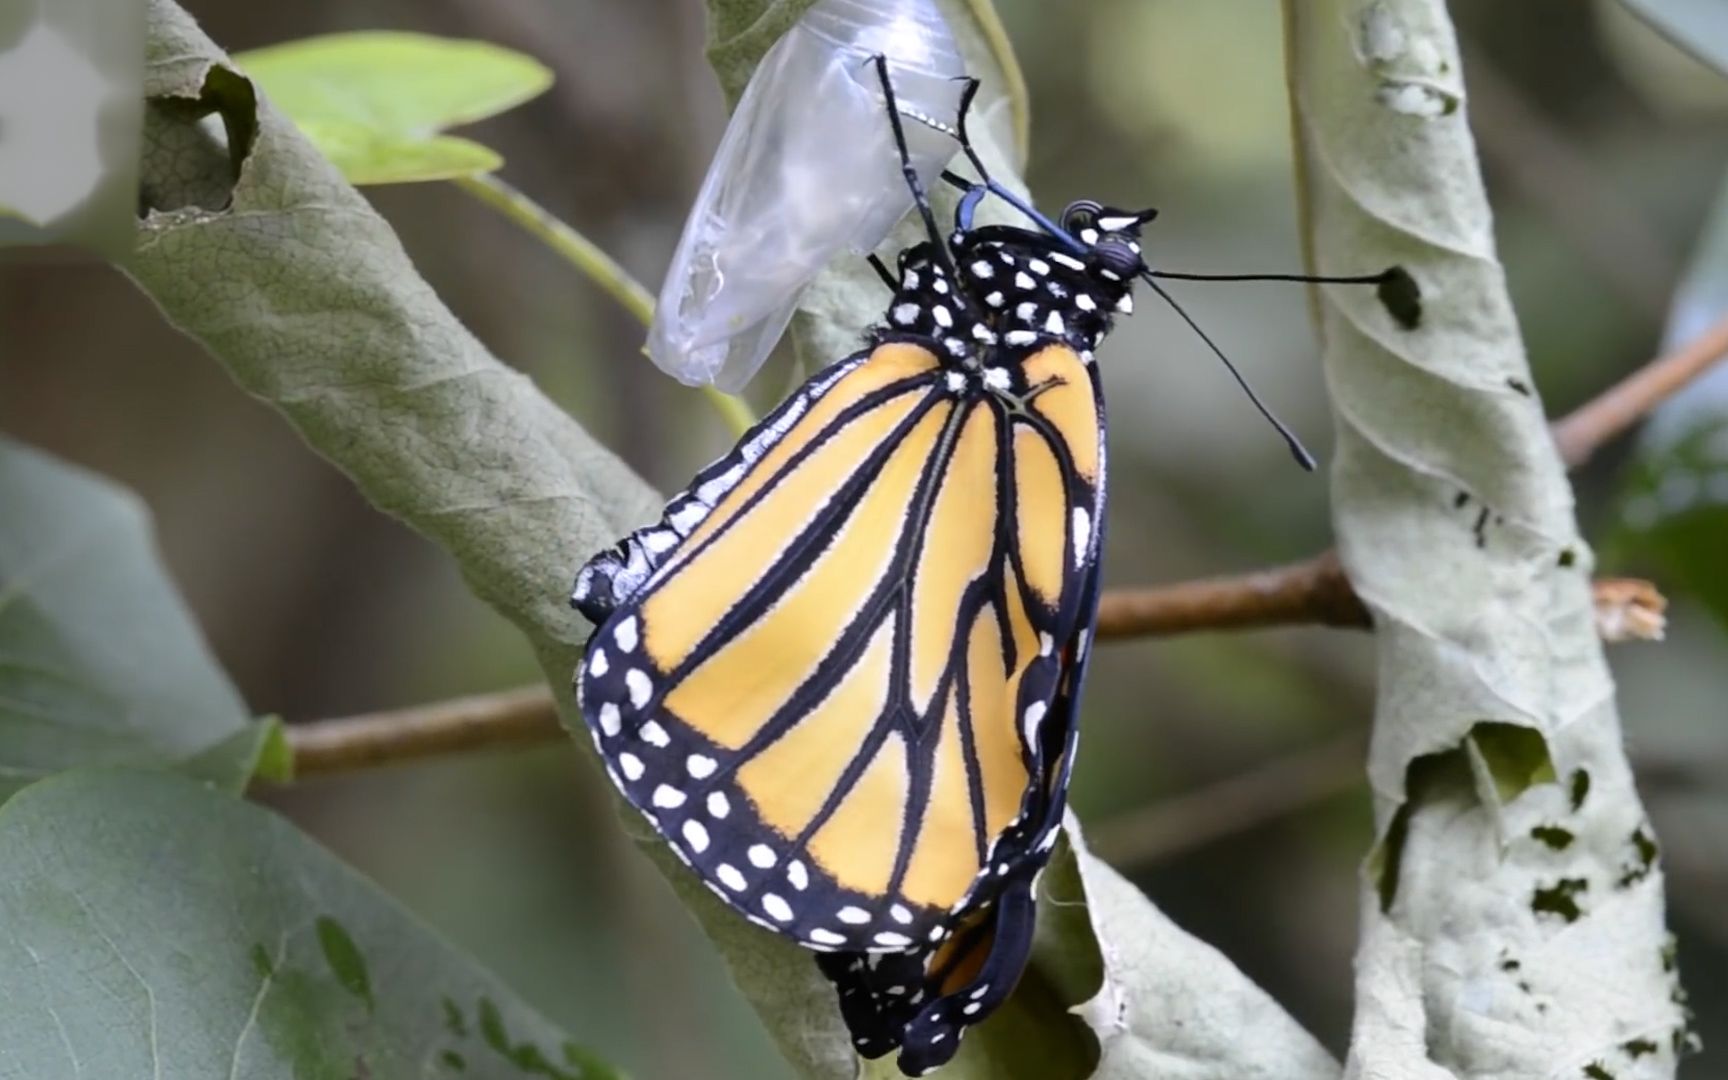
[(1603, 147)]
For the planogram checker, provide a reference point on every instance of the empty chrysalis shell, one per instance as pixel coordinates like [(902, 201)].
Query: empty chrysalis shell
[(806, 172)]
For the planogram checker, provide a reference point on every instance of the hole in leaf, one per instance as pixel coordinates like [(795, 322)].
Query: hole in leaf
[(1580, 788), (196, 147), (1516, 756)]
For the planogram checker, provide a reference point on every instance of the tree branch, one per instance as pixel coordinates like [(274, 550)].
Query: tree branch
[(1597, 422), (526, 716), (1312, 592)]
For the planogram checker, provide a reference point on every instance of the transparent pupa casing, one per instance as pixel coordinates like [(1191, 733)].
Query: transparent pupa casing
[(807, 171)]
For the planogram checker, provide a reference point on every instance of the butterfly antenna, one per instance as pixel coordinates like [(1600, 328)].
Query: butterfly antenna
[(1297, 450)]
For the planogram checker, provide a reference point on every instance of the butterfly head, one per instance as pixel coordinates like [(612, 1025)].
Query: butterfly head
[(1112, 239)]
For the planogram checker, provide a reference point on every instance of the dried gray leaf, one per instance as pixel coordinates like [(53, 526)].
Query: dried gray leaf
[(1512, 914)]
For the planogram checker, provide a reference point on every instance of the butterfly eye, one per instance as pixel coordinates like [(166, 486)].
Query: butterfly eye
[(1079, 215), (1118, 258)]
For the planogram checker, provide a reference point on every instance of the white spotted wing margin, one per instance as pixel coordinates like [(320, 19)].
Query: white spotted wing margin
[(614, 575)]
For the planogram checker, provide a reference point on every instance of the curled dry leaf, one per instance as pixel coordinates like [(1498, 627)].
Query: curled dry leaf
[(1512, 914)]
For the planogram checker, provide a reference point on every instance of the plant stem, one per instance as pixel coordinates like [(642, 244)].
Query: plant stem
[(1585, 431), (599, 267)]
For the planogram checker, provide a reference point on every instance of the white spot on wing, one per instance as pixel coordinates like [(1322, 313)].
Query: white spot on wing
[(1029, 723), (857, 916), (1054, 324), (797, 875), (777, 907), (906, 314), (667, 797), (700, 766), (891, 939), (611, 722), (1020, 337), (625, 634), (718, 804), (982, 269), (823, 936), (730, 877), (695, 835), (641, 688), (1082, 535), (655, 735), (762, 856), (632, 766), (597, 663)]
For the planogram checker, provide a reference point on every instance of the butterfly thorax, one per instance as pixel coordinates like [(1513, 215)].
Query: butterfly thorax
[(1017, 292)]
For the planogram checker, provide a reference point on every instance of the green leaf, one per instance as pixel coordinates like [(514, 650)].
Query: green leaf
[(1675, 504), (100, 662), (1495, 724), (1698, 26), (152, 927), (375, 102)]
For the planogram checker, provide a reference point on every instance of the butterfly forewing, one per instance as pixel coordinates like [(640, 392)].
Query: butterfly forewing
[(823, 676)]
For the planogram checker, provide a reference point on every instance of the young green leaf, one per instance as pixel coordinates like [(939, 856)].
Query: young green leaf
[(153, 927), (1485, 949), (376, 102), (100, 662)]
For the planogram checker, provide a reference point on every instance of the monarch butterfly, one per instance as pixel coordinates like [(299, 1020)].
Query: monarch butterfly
[(842, 675)]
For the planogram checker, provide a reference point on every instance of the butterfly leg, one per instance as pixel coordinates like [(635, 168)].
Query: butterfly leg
[(920, 197)]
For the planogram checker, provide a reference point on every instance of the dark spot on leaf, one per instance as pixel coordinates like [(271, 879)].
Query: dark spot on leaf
[(525, 1056), (1480, 529), (1645, 846), (262, 963), (453, 1061), (1554, 836), (1401, 297), (1580, 788), (1596, 1071), (1510, 965), (453, 1019), (1460, 500), (1560, 899), (1524, 986), (1568, 557), (344, 958), (1637, 1048), (1520, 386)]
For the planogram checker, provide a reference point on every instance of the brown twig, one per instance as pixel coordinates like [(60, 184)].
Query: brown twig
[(522, 717), (1312, 592), (1619, 407)]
